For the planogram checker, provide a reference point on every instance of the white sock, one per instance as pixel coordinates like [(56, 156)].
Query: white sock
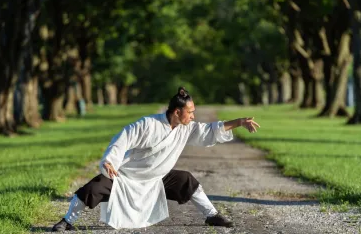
[(201, 201), (75, 208)]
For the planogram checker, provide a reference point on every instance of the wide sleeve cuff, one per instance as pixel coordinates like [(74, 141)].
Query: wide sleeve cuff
[(220, 133)]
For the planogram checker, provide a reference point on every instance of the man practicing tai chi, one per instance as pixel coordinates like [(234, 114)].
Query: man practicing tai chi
[(136, 169)]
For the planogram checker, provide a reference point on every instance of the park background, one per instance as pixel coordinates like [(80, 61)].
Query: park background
[(73, 73)]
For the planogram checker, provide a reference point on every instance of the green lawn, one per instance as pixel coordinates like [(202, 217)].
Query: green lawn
[(39, 165), (318, 149)]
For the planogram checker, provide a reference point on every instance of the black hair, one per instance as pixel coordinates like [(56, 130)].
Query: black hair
[(179, 100)]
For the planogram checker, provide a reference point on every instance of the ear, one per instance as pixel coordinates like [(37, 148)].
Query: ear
[(177, 112)]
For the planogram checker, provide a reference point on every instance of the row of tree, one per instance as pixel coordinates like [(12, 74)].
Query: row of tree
[(324, 41), (57, 55)]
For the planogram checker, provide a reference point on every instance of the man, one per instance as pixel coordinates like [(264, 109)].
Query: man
[(137, 175)]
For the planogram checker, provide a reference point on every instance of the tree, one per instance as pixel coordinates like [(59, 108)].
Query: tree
[(356, 48), (15, 16), (27, 95)]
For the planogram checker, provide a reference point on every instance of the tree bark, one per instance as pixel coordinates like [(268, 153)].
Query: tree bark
[(337, 99), (284, 88), (329, 78), (100, 96), (30, 102), (296, 80), (7, 121), (272, 84), (13, 29), (294, 69), (53, 108), (84, 44), (308, 81), (86, 85), (243, 94), (336, 40), (318, 77), (356, 48), (123, 94), (111, 94), (54, 77), (71, 99), (313, 84)]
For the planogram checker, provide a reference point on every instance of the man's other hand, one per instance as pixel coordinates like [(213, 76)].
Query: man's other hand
[(110, 170)]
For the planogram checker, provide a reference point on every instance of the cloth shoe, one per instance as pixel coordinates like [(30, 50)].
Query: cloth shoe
[(219, 220), (62, 225)]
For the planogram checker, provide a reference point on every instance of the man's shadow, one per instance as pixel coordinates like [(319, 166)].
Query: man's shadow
[(262, 201)]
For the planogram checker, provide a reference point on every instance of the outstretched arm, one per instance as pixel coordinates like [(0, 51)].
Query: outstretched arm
[(247, 123)]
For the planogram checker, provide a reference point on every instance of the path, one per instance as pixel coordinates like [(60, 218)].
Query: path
[(244, 186)]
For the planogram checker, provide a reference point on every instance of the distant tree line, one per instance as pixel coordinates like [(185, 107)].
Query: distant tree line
[(59, 57)]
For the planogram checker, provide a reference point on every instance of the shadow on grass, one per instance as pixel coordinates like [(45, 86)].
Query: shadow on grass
[(132, 117), (61, 143), (14, 218), (299, 140), (261, 201), (39, 189), (114, 127), (35, 166)]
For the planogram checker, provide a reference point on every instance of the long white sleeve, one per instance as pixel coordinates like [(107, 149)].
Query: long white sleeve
[(130, 137), (208, 134)]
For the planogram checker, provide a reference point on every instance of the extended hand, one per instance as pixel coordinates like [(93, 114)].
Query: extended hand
[(110, 170), (249, 124)]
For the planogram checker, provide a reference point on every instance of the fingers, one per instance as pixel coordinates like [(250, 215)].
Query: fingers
[(256, 124), (251, 125), (111, 173), (110, 170), (250, 120)]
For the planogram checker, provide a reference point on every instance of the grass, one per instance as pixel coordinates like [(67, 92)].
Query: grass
[(39, 166), (322, 150)]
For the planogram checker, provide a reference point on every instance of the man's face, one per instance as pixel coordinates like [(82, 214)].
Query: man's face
[(186, 114)]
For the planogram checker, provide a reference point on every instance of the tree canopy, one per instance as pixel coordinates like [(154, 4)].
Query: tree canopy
[(58, 56)]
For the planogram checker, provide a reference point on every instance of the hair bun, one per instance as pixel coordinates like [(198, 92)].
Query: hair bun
[(182, 92)]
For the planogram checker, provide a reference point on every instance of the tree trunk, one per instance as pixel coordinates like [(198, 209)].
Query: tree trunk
[(337, 105), (53, 93), (243, 94), (318, 76), (284, 88), (272, 85), (308, 90), (30, 103), (84, 44), (70, 100), (294, 69), (336, 42), (100, 96), (7, 122), (111, 94), (12, 34), (329, 78), (356, 48), (87, 91), (296, 80), (85, 81), (123, 95), (313, 84), (53, 108)]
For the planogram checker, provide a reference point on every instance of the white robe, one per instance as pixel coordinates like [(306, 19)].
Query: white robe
[(143, 153)]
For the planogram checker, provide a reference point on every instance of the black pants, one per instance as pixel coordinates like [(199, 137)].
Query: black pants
[(179, 186)]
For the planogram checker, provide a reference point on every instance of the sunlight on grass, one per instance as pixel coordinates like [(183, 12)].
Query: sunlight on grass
[(320, 149), (40, 165)]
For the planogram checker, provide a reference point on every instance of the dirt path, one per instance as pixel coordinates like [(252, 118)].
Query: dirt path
[(244, 186)]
